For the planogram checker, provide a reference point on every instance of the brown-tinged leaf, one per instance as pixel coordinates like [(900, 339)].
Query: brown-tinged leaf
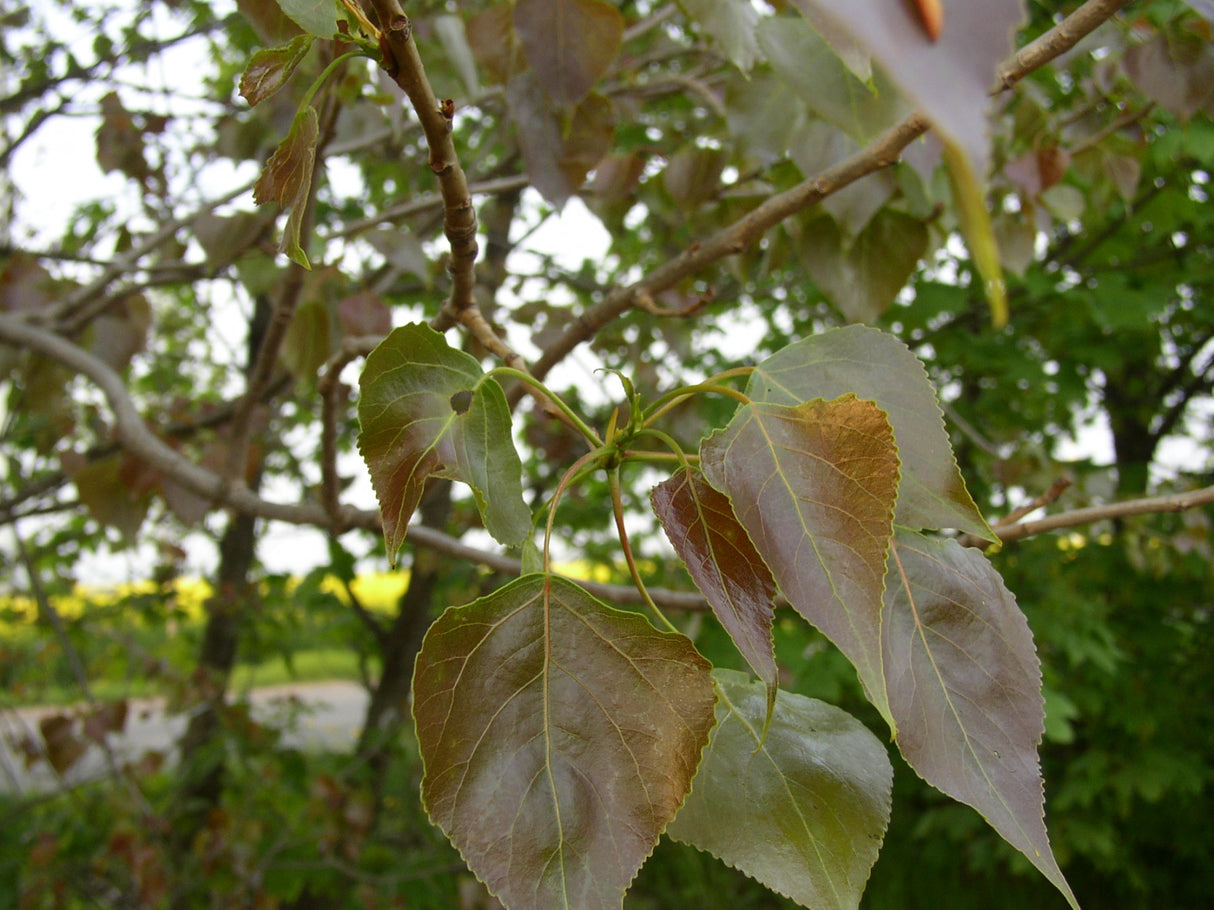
[(814, 485), (107, 717), (965, 688), (879, 367), (309, 339), (287, 179), (24, 284), (1174, 69), (271, 68), (410, 431), (120, 141), (495, 43), (364, 313), (558, 151), (225, 238), (723, 563), (693, 175), (114, 489), (569, 43), (812, 796), (121, 332), (64, 747), (559, 736)]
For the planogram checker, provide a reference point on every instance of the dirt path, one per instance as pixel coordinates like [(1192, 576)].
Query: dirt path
[(328, 714)]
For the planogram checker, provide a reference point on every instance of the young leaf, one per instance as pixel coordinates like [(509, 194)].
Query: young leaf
[(318, 17), (881, 368), (559, 736), (569, 43), (813, 798), (723, 563), (287, 179), (270, 69), (965, 688), (814, 485), (426, 410)]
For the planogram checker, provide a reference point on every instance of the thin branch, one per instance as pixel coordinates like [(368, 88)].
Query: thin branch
[(881, 153)]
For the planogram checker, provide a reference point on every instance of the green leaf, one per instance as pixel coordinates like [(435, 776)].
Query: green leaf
[(316, 16), (270, 68), (559, 737), (723, 563), (879, 367), (813, 798), (975, 223), (863, 278), (287, 179), (569, 43), (965, 688), (731, 24), (428, 410), (814, 485)]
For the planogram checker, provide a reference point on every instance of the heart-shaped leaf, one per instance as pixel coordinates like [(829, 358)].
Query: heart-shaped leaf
[(559, 738), (425, 410), (723, 563), (814, 486), (813, 796), (965, 688), (879, 367), (287, 179)]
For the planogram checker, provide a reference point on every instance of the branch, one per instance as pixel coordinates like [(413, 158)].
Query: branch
[(1177, 502), (881, 153)]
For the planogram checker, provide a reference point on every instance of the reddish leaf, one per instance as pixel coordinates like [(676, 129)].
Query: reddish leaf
[(25, 285), (113, 491), (63, 747), (965, 688), (558, 152), (287, 179), (693, 175), (271, 68), (723, 563), (416, 424), (364, 313), (559, 737), (120, 141), (109, 717), (569, 43), (814, 485), (1176, 70), (881, 368)]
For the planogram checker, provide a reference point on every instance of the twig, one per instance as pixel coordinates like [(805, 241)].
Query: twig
[(881, 153)]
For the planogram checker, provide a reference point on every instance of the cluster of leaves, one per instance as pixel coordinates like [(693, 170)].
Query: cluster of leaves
[(560, 736)]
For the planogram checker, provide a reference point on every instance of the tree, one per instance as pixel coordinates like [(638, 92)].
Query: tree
[(839, 175)]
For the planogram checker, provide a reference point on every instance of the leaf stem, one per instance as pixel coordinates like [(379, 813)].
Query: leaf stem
[(569, 476), (574, 420), (617, 507), (671, 399)]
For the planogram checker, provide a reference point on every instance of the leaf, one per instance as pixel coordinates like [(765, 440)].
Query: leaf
[(731, 24), (693, 175), (271, 68), (723, 563), (965, 687), (114, 489), (879, 367), (948, 78), (569, 43), (814, 486), (863, 279), (120, 145), (558, 152), (64, 747), (451, 32), (287, 179), (559, 737), (495, 43), (813, 798), (411, 430), (309, 339), (804, 60), (975, 222), (318, 17)]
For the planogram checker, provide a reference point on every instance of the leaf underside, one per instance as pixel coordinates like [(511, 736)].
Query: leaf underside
[(559, 738), (814, 486), (804, 812), (965, 688), (723, 563)]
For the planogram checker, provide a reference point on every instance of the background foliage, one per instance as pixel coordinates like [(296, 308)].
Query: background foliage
[(130, 238)]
